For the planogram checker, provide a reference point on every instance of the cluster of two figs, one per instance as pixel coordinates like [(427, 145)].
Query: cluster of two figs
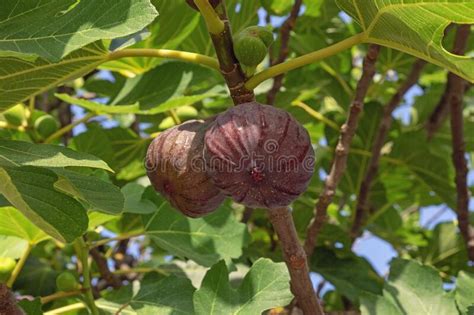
[(257, 154)]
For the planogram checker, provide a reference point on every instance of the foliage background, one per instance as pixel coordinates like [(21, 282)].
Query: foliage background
[(168, 264)]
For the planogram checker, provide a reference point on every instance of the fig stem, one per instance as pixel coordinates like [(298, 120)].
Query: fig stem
[(125, 236), (19, 266), (60, 295), (166, 53), (65, 309), (214, 23), (83, 254), (69, 127), (304, 60), (295, 259)]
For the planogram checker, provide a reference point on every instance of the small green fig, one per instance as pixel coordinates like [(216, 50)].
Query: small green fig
[(16, 115), (191, 3), (166, 123), (279, 8), (251, 46), (7, 265), (46, 125), (66, 281), (186, 112)]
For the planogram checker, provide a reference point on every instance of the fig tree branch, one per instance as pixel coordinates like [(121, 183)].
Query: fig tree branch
[(69, 127), (101, 262), (456, 88), (19, 266), (229, 65), (285, 32), (301, 61), (295, 259), (166, 53), (339, 163), (214, 24), (60, 295), (83, 255), (383, 129), (441, 111)]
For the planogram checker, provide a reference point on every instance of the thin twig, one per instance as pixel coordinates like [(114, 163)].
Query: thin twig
[(285, 32), (19, 266), (229, 65), (246, 215), (60, 295), (295, 259), (82, 252), (339, 164), (379, 141), (111, 279), (456, 88)]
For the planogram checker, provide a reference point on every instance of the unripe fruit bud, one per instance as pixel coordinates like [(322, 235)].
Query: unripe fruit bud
[(177, 170), (186, 112), (259, 155), (278, 8), (191, 3), (66, 281), (16, 115), (7, 265), (46, 125), (250, 51), (251, 46)]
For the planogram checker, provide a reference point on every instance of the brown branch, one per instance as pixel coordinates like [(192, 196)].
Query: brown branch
[(441, 111), (339, 163), (285, 32), (379, 141), (111, 279), (229, 65), (246, 215), (8, 304), (456, 88), (295, 259)]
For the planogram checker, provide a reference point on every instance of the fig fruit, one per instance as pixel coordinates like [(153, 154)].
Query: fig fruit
[(176, 169), (46, 125), (16, 115), (66, 281), (279, 8), (259, 155), (7, 265), (251, 46), (191, 3)]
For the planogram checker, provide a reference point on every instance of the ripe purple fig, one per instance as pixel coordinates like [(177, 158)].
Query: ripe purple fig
[(177, 171), (259, 155)]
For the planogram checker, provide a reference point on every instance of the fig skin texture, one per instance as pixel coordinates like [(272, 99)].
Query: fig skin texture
[(176, 168), (259, 155)]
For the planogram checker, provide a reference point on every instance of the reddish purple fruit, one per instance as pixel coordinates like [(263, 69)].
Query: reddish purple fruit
[(191, 3), (259, 155), (176, 169)]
